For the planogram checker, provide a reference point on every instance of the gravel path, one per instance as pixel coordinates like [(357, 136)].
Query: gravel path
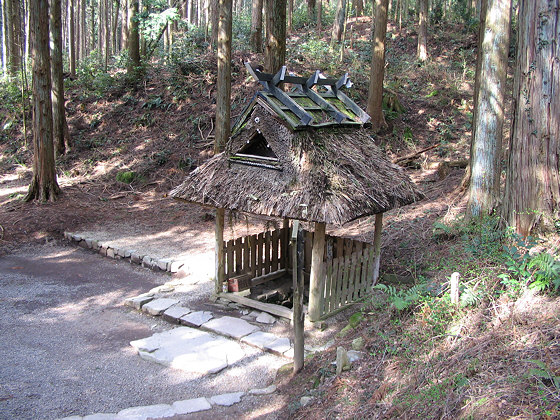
[(66, 340)]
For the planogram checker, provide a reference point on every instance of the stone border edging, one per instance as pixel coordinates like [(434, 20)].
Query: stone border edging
[(156, 264)]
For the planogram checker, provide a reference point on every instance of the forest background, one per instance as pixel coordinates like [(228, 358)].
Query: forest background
[(114, 101)]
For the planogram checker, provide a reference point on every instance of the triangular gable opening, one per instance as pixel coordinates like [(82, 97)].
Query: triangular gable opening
[(257, 152)]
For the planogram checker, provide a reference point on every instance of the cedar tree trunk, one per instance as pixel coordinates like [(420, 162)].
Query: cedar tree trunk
[(61, 135), (375, 94), (275, 53), (485, 162), (338, 24), (256, 26), (43, 185), (532, 193), (133, 38), (223, 91), (422, 52)]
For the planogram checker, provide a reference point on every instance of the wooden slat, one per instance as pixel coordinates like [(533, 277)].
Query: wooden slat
[(253, 246), (229, 259), (344, 283), (275, 249), (308, 249), (260, 242), (268, 277), (267, 242), (246, 256), (261, 306), (365, 263), (339, 248), (371, 267), (358, 276), (351, 274), (322, 285), (334, 285), (238, 255)]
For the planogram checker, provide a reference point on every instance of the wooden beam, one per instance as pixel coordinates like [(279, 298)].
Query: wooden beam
[(329, 108), (261, 306), (268, 277), (377, 246), (299, 285), (317, 278), (364, 118), (219, 251), (301, 113)]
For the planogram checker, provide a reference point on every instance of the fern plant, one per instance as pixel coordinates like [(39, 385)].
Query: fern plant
[(545, 272), (402, 299)]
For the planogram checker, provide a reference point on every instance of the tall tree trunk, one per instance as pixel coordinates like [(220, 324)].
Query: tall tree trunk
[(106, 33), (4, 41), (13, 31), (223, 90), (213, 15), (83, 30), (133, 38), (100, 26), (532, 192), (275, 53), (339, 19), (484, 188), (358, 6), (256, 26), (319, 17), (92, 26), (290, 16), (375, 94), (116, 26), (61, 134), (467, 178), (124, 25), (43, 185), (72, 26), (311, 10), (422, 51)]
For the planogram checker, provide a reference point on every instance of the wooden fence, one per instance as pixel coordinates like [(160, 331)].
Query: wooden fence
[(347, 269)]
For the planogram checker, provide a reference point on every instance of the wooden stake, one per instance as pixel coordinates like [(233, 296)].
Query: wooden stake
[(219, 250), (298, 314), (377, 246), (317, 279)]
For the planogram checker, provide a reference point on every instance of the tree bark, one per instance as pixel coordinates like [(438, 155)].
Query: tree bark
[(532, 192), (290, 16), (13, 32), (311, 10), (375, 94), (124, 25), (484, 188), (338, 24), (223, 90), (256, 26), (275, 53), (92, 26), (133, 38), (422, 51), (61, 134), (43, 185)]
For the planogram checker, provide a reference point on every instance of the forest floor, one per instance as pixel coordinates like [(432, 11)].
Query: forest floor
[(497, 359)]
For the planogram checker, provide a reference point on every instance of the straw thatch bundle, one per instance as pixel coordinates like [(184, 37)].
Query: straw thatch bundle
[(330, 175)]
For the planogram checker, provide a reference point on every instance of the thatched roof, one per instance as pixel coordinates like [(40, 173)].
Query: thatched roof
[(332, 175)]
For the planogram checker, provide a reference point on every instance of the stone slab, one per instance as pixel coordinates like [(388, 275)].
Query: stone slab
[(263, 391), (191, 406), (227, 399), (111, 252), (145, 412), (158, 306), (174, 313), (196, 319), (138, 301), (230, 327), (136, 258), (259, 339), (266, 318), (163, 263), (175, 266), (279, 346), (190, 350), (101, 416)]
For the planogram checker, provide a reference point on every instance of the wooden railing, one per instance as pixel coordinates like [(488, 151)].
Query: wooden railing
[(347, 269)]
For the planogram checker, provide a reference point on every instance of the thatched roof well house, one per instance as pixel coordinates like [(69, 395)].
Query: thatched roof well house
[(304, 155), (278, 163)]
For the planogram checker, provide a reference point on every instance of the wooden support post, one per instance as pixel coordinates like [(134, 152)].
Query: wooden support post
[(377, 246), (316, 279), (454, 283), (219, 250), (298, 315)]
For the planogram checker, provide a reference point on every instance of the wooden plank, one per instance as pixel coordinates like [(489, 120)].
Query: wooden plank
[(344, 283), (275, 249), (358, 276), (229, 259), (351, 275), (219, 269), (261, 306), (307, 252), (268, 277), (316, 283), (253, 256), (339, 248), (371, 267), (267, 242), (364, 118), (328, 282), (238, 255), (377, 245), (260, 242), (246, 266), (334, 286), (364, 279)]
